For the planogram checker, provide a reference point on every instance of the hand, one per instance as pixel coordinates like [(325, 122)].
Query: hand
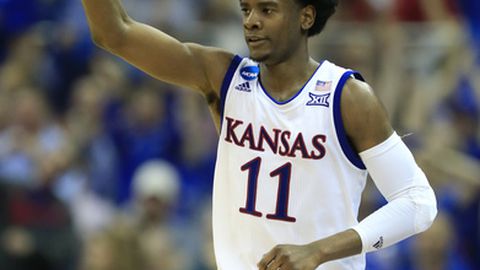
[(290, 257), (310, 256)]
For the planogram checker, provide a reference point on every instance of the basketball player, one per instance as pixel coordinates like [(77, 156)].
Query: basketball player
[(297, 138)]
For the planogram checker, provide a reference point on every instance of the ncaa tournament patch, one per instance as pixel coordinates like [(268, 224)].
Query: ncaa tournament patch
[(249, 73)]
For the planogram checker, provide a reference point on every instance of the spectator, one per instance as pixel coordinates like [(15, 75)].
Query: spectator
[(156, 186)]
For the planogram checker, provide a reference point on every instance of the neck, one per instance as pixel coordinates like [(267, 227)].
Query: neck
[(284, 79)]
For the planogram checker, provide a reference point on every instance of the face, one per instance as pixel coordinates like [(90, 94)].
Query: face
[(272, 28)]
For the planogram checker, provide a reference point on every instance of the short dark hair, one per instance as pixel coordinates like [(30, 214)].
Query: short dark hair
[(324, 8)]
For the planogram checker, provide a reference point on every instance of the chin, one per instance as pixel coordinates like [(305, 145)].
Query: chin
[(259, 58)]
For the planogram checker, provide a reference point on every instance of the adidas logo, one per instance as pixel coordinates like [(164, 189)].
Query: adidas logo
[(379, 243), (245, 87)]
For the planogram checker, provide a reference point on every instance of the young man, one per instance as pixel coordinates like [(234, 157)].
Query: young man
[(288, 177)]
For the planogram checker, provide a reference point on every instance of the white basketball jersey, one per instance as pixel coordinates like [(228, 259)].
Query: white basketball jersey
[(285, 171)]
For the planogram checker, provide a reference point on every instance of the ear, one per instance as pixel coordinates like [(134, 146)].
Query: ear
[(308, 17)]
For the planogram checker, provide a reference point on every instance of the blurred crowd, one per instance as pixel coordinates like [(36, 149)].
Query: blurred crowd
[(103, 167)]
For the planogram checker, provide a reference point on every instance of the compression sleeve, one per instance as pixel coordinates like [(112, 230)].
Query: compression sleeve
[(411, 206)]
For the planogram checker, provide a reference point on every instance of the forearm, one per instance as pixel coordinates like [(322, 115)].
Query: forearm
[(107, 20), (398, 220), (337, 246), (340, 245)]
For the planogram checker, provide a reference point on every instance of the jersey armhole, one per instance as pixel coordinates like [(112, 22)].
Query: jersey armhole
[(226, 83), (345, 143)]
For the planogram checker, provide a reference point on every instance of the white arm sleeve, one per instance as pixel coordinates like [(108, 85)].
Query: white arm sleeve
[(411, 206)]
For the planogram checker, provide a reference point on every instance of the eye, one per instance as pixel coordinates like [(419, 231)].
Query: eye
[(245, 11), (267, 11)]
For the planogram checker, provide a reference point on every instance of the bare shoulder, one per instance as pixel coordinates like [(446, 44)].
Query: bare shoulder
[(364, 117), (215, 62)]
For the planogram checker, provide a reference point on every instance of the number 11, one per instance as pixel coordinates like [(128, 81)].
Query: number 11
[(284, 174)]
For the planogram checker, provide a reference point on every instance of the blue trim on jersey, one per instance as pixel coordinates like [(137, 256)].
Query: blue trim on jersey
[(345, 143), (294, 96), (226, 83)]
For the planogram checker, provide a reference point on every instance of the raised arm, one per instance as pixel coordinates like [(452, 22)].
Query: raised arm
[(156, 53)]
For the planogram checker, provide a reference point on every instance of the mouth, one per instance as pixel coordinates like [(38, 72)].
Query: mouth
[(255, 40)]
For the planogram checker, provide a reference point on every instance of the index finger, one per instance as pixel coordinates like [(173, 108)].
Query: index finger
[(267, 259)]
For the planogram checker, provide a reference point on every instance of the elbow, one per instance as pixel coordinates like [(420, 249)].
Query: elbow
[(110, 40), (426, 211), (98, 40)]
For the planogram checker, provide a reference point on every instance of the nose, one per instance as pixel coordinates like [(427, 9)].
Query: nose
[(252, 21)]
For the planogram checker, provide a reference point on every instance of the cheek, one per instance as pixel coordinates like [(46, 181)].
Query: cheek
[(288, 37), (290, 30)]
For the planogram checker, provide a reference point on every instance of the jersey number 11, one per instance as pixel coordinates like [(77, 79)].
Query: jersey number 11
[(284, 173)]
